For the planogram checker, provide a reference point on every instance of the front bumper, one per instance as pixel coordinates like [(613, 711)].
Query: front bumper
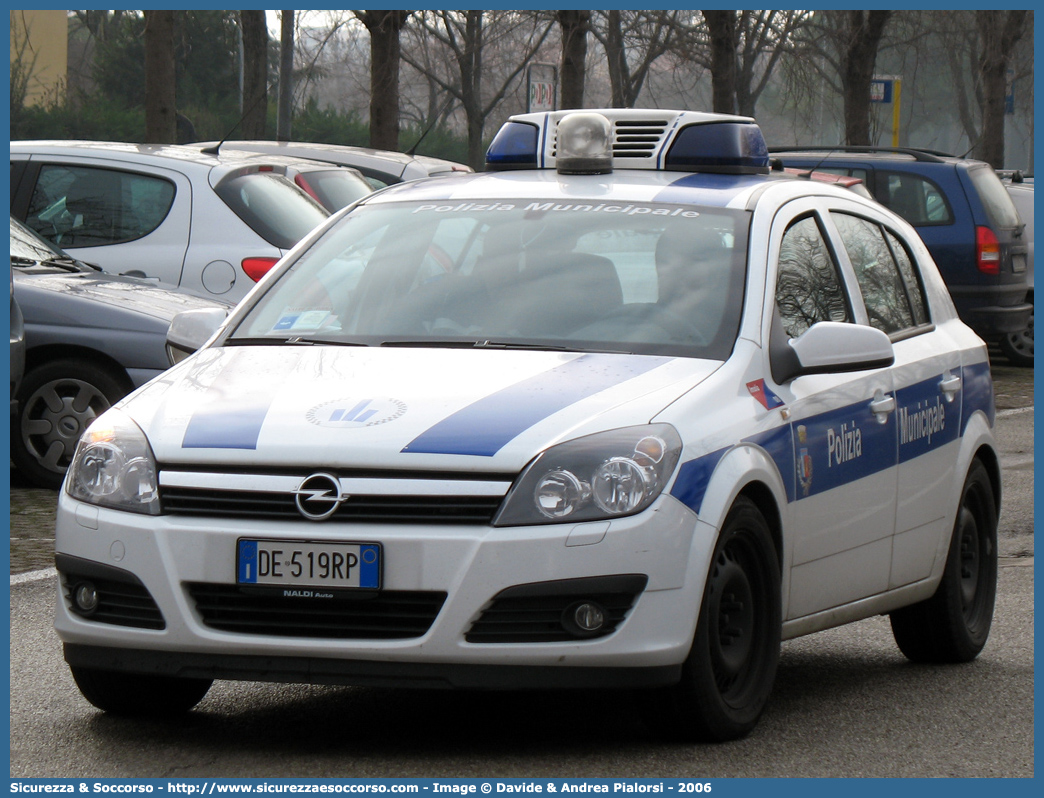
[(171, 555)]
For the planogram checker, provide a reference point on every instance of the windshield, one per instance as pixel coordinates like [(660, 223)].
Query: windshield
[(588, 276), (28, 249)]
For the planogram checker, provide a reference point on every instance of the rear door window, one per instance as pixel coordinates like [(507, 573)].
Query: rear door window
[(915, 198)]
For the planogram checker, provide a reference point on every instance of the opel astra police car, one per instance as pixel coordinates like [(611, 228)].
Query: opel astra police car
[(623, 411)]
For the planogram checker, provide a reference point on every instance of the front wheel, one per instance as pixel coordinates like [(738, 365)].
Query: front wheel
[(952, 625), (57, 401), (731, 667), (139, 694)]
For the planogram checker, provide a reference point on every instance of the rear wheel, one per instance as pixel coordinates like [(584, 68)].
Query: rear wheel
[(139, 694), (1018, 347), (952, 626), (731, 667)]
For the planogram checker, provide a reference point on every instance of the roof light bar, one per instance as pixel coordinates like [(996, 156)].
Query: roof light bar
[(637, 139)]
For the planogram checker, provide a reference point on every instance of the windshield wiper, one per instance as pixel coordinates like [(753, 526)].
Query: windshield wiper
[(293, 340), (66, 264), (472, 344)]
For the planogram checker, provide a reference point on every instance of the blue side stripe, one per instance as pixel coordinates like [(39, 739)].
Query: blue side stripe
[(842, 446), (485, 427)]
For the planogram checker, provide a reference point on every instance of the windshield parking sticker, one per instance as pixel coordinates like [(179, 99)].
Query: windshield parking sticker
[(349, 413), (302, 320)]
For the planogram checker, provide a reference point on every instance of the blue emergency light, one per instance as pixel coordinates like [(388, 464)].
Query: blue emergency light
[(595, 142)]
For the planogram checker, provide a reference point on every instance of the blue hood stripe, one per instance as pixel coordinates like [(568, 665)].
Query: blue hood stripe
[(483, 428), (234, 422)]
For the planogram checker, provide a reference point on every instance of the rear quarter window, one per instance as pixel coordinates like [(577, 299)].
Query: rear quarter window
[(994, 196)]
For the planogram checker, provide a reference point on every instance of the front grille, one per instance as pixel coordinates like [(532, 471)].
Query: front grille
[(121, 603), (638, 138), (359, 509), (536, 613), (632, 138), (384, 615)]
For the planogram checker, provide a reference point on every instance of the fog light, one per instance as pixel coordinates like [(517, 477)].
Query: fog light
[(86, 597), (587, 616)]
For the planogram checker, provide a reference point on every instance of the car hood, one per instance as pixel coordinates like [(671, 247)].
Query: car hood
[(49, 297), (431, 409)]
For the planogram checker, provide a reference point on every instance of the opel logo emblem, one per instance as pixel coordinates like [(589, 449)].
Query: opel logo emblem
[(318, 497)]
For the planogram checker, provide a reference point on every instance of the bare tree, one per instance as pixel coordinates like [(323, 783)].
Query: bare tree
[(575, 26), (160, 114), (998, 33), (633, 40), (468, 38), (255, 73), (384, 28), (841, 47)]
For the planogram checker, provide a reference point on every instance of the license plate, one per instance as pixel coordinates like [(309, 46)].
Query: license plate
[(308, 564), (1018, 263)]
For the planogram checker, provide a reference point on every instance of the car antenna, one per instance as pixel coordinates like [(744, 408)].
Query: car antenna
[(808, 175), (214, 150)]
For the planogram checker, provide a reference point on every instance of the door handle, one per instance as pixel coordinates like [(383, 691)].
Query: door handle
[(950, 384), (882, 405)]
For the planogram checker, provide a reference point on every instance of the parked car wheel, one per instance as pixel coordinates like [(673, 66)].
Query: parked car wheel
[(952, 626), (1018, 347), (731, 667), (56, 403), (139, 694)]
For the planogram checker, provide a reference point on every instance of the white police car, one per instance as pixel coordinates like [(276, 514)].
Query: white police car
[(623, 412)]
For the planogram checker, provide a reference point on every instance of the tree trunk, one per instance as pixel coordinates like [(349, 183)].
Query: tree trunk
[(255, 73), (286, 76), (616, 58), (160, 113), (384, 28), (998, 33), (858, 57), (723, 43), (574, 25)]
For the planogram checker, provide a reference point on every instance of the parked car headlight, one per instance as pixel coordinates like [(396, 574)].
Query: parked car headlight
[(606, 475), (114, 466)]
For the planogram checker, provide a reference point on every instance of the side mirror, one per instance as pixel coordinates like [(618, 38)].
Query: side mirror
[(190, 329), (834, 347)]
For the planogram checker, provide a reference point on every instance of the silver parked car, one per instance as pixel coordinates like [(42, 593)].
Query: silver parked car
[(381, 167), (211, 224), (90, 338)]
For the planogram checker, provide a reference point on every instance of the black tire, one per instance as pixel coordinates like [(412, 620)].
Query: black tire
[(1018, 347), (56, 402), (952, 625), (141, 695), (731, 667)]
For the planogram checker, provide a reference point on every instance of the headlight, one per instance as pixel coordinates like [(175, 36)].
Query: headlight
[(113, 466), (607, 475)]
